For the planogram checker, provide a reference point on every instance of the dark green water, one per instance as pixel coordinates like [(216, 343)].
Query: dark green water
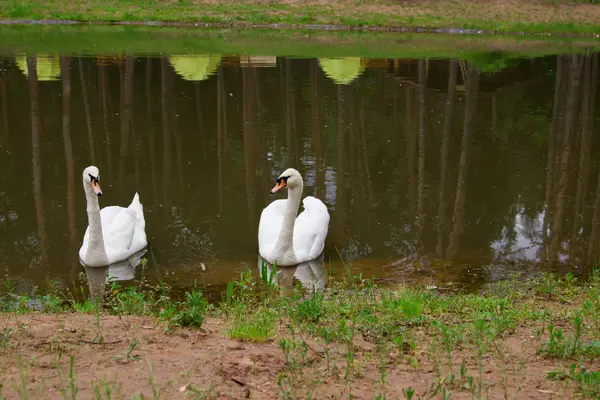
[(431, 168)]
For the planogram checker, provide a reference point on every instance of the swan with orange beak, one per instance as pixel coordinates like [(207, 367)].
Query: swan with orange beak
[(113, 233), (286, 238)]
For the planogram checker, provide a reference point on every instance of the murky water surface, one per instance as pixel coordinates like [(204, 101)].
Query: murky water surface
[(430, 168)]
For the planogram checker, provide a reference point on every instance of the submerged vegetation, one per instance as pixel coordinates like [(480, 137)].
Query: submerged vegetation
[(409, 341)]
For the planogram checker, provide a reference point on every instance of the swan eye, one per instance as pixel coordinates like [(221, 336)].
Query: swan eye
[(92, 178), (284, 178)]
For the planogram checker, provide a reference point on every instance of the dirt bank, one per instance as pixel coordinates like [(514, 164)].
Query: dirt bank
[(185, 363)]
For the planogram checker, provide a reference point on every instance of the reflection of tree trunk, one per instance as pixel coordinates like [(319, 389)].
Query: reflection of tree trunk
[(36, 152), (151, 131), (220, 133), (340, 200), (68, 147), (225, 132), (127, 98), (257, 96), (4, 97), (290, 117), (288, 125), (179, 153), (596, 215), (552, 145), (198, 96), (137, 147), (164, 95), (86, 108), (443, 200), (411, 145), (317, 129), (365, 155), (570, 113), (587, 107), (66, 131), (494, 116), (460, 200), (104, 105), (247, 99), (352, 131), (422, 84)]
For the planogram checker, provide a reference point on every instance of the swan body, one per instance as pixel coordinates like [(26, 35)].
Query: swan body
[(114, 233), (286, 238)]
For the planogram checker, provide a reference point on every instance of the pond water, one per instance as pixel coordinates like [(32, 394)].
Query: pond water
[(431, 168)]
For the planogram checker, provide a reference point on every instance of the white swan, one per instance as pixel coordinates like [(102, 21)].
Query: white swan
[(284, 239), (113, 234)]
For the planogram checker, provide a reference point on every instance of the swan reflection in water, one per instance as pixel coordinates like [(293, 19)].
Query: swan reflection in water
[(312, 275), (119, 271)]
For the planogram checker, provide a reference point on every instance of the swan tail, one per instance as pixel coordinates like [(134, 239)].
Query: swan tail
[(137, 209), (314, 205)]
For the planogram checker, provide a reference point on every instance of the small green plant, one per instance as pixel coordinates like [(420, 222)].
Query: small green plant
[(242, 290), (294, 351), (5, 337), (72, 385), (588, 382), (311, 309), (152, 381), (129, 356), (564, 346), (103, 390), (268, 278), (255, 327), (23, 388), (193, 309), (198, 394), (70, 390), (408, 393), (87, 306), (52, 303), (169, 314), (129, 301), (549, 284)]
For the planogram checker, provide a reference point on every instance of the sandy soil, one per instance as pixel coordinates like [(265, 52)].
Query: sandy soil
[(187, 363)]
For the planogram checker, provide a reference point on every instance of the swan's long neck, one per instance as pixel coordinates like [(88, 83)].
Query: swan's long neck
[(285, 242), (96, 253)]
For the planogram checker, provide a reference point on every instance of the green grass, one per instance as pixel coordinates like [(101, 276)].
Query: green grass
[(254, 326), (588, 383), (401, 322), (522, 17)]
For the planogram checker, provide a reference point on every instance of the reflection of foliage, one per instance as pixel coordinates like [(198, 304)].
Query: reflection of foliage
[(47, 66), (195, 67), (492, 62), (342, 70)]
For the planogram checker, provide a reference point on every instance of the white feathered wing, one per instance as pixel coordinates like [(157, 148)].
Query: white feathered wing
[(123, 230), (310, 229)]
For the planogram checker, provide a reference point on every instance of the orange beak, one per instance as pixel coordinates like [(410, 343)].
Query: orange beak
[(96, 187), (280, 185)]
